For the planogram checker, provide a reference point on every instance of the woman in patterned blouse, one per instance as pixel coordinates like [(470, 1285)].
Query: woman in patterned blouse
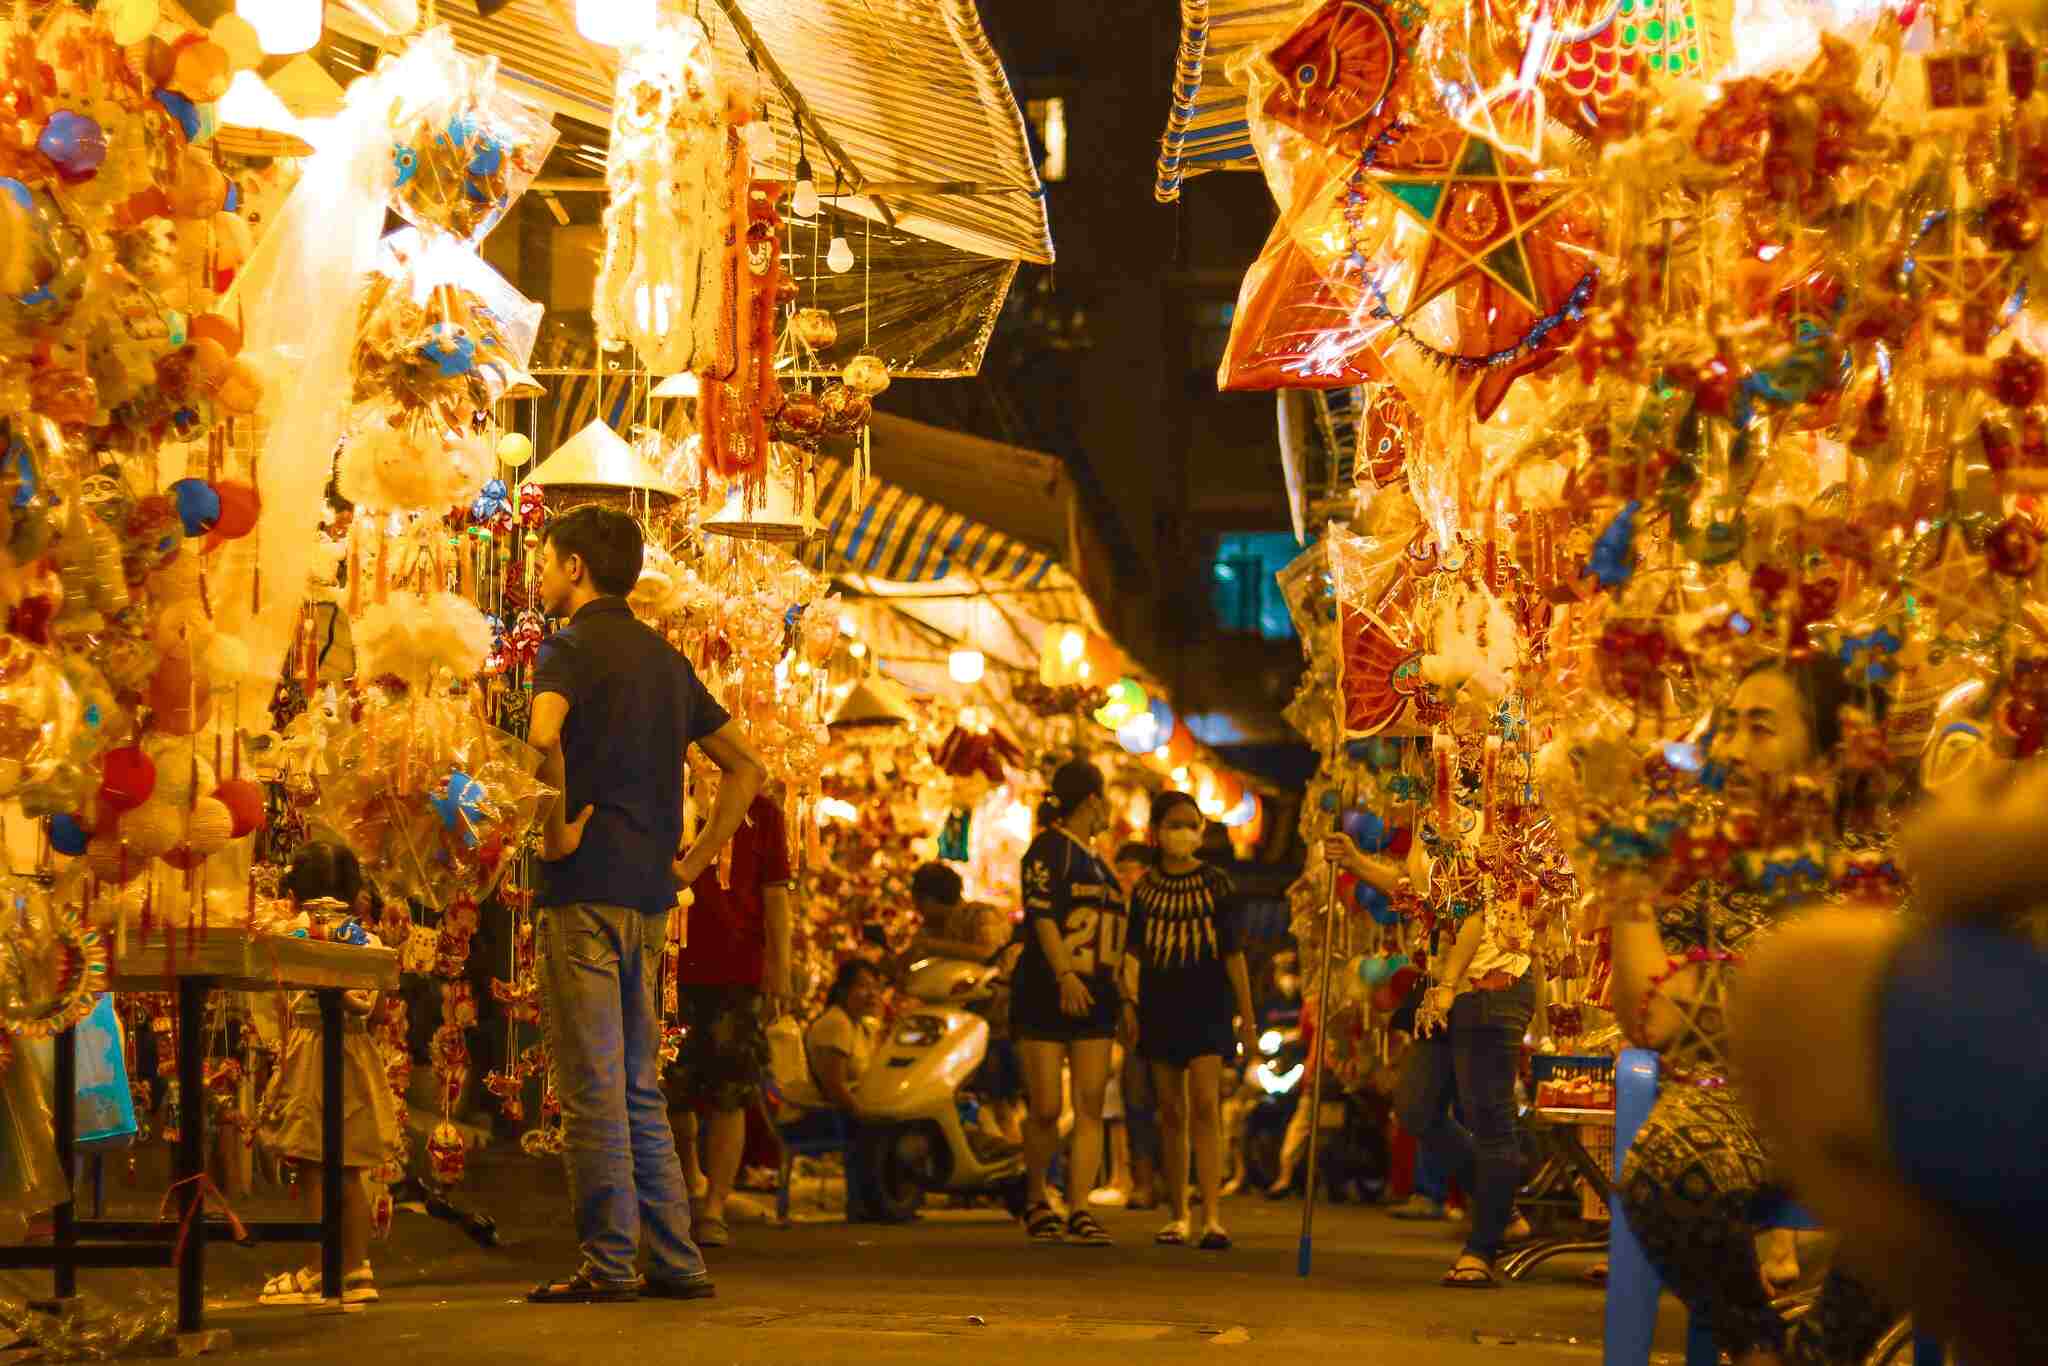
[(1698, 1167)]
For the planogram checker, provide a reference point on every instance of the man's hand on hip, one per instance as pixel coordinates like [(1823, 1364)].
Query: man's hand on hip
[(554, 851)]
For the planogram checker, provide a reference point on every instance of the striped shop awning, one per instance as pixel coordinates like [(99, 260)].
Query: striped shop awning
[(1206, 127), (903, 537)]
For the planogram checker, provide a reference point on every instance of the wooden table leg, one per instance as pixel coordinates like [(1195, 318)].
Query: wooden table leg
[(191, 1163), (332, 1103)]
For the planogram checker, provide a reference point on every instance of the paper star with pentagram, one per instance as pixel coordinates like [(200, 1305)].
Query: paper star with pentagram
[(1950, 260), (1481, 214)]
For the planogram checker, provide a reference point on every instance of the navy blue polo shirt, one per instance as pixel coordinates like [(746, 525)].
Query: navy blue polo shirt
[(635, 707)]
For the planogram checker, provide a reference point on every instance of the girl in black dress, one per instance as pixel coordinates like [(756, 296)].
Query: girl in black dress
[(1187, 932), (1064, 1003)]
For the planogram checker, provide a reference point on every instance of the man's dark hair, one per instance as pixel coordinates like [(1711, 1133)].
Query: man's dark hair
[(609, 543), (936, 883), (321, 869), (848, 977), (1141, 854)]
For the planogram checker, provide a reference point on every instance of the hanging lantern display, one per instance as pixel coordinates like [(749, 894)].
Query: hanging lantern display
[(661, 284)]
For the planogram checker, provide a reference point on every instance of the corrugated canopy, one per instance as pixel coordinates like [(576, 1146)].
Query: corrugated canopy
[(1206, 128), (909, 91)]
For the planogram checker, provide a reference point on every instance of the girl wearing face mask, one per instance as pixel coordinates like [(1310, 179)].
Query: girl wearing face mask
[(1064, 1003), (1187, 934)]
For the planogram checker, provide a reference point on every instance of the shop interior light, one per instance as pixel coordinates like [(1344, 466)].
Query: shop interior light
[(615, 23), (847, 625), (684, 385), (840, 257), (966, 666), (858, 649), (803, 201), (284, 27), (834, 809)]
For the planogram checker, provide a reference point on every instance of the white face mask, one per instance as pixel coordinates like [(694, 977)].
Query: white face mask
[(1180, 841)]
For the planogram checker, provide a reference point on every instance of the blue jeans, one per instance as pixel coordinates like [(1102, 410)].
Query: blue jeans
[(1430, 1181), (1475, 1060), (598, 967)]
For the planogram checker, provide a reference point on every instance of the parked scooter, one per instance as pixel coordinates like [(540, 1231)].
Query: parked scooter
[(917, 1131)]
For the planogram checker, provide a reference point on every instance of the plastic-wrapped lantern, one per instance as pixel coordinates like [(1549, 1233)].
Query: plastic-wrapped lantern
[(127, 778), (74, 144), (816, 329), (245, 804)]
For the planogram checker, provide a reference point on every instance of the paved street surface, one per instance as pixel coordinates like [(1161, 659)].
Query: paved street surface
[(953, 1284)]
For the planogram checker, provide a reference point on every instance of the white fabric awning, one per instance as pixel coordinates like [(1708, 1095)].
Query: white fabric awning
[(909, 90)]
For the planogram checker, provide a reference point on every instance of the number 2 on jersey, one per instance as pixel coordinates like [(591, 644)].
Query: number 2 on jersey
[(1094, 940)]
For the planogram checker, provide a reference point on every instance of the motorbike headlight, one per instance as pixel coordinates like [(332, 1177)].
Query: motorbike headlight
[(1269, 1042)]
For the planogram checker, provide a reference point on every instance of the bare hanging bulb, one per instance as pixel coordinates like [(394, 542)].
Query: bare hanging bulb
[(840, 257), (804, 201)]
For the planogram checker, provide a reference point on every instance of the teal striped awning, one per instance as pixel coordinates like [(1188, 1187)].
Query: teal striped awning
[(903, 537)]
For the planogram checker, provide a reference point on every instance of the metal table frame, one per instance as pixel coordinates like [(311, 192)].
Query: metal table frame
[(225, 960), (1561, 1128)]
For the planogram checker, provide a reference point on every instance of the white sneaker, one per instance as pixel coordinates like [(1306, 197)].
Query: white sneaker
[(359, 1286), (1109, 1197)]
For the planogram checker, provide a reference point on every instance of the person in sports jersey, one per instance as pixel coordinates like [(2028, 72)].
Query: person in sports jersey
[(1066, 999)]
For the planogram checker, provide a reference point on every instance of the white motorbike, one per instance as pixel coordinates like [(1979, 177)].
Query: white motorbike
[(916, 1137)]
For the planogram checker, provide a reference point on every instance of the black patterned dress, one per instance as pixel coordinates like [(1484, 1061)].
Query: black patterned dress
[(1184, 927), (1698, 1167)]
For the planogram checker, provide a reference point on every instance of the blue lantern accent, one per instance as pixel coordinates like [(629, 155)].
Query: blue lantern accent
[(67, 836), (461, 805), (183, 110), (198, 505), (1613, 561), (1366, 830), (1375, 903)]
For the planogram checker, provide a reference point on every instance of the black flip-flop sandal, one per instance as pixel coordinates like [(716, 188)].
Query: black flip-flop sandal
[(1042, 1224), (1084, 1230), (584, 1288), (1215, 1240), (1470, 1278)]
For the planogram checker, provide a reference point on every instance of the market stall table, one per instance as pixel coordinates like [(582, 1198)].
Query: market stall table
[(1559, 1126), (221, 960)]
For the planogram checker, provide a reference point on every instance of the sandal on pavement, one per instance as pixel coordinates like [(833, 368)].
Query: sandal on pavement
[(1214, 1239), (359, 1286), (1084, 1230), (699, 1289), (1471, 1273), (1042, 1224), (290, 1288), (584, 1288), (713, 1233), (1174, 1234)]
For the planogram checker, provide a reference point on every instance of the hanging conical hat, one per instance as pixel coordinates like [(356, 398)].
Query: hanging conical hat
[(598, 457), (873, 704)]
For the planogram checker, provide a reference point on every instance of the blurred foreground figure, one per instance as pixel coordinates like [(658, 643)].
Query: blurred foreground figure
[(1899, 1064)]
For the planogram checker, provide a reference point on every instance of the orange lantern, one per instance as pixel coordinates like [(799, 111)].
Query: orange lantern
[(1102, 662), (1180, 746)]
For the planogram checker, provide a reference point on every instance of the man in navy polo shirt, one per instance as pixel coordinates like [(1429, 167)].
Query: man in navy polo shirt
[(615, 708)]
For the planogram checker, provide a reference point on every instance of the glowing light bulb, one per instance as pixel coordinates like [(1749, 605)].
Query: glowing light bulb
[(803, 201), (966, 666), (1072, 646), (615, 23), (283, 27), (847, 625), (840, 257), (858, 649), (651, 308)]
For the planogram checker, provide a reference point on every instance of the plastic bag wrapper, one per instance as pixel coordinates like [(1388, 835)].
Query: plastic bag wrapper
[(435, 802), (101, 1333), (40, 719), (442, 331), (463, 148), (31, 1177)]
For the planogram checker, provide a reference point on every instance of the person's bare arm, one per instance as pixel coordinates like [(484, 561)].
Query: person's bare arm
[(743, 773), (1463, 950), (930, 946), (1241, 988), (560, 836), (776, 921), (830, 1065), (1639, 958), (1382, 873)]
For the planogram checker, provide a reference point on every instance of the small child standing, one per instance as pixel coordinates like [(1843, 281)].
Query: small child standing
[(326, 879)]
